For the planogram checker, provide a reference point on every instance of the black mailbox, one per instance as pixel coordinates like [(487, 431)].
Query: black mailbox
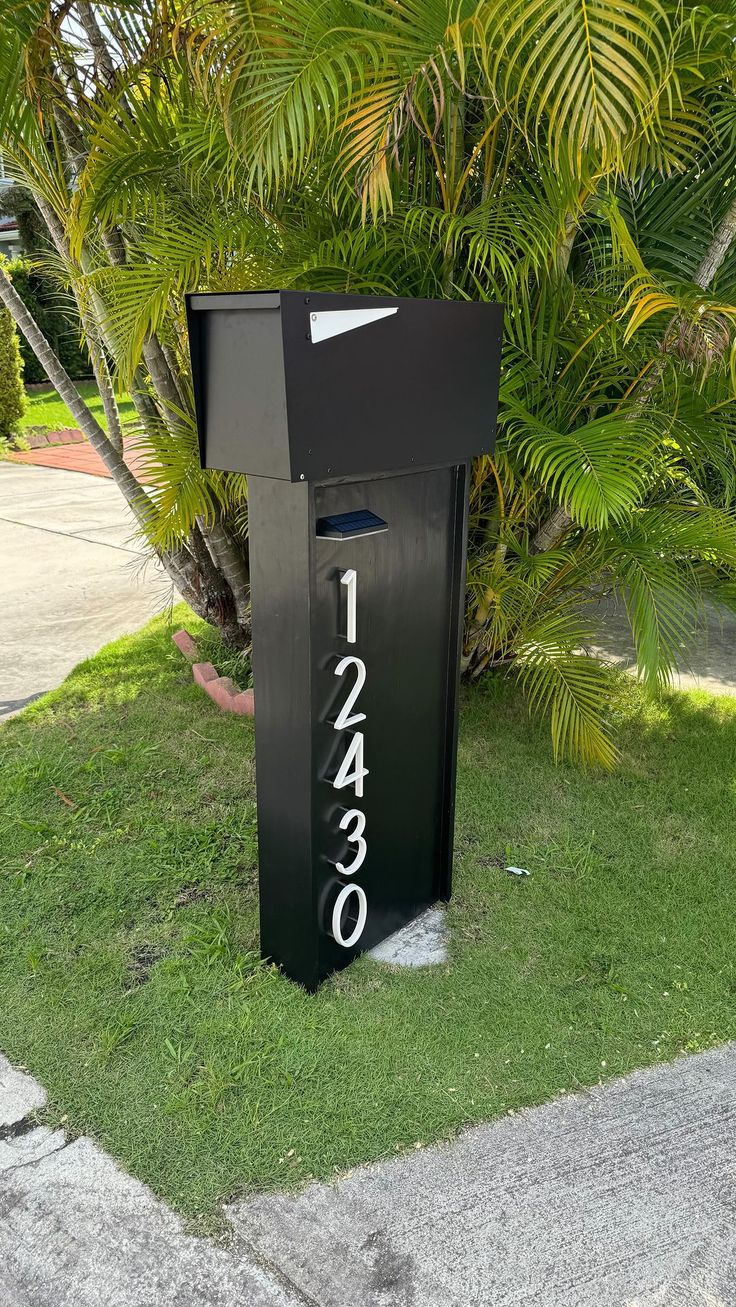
[(355, 417)]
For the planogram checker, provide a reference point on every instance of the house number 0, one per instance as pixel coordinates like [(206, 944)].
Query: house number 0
[(351, 774)]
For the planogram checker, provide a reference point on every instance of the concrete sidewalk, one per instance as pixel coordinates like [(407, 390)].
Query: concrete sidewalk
[(621, 1197), (73, 576)]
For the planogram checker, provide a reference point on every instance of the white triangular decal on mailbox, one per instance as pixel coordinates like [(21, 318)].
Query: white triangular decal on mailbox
[(324, 325)]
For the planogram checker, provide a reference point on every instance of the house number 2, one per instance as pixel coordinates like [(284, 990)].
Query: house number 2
[(351, 774)]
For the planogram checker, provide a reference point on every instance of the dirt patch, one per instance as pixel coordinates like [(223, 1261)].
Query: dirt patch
[(142, 959), (190, 894)]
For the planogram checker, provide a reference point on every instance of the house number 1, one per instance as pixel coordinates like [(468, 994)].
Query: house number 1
[(351, 772)]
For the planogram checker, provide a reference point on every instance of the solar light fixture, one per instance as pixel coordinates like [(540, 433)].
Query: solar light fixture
[(350, 526)]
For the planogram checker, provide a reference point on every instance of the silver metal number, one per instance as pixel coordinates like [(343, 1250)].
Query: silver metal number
[(355, 837), (343, 718), (350, 580), (351, 773), (345, 776), (359, 927)]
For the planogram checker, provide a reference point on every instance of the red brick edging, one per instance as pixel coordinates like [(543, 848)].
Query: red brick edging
[(64, 436), (222, 689)]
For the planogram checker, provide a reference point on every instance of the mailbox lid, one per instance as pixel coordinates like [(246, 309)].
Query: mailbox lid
[(311, 386), (415, 388)]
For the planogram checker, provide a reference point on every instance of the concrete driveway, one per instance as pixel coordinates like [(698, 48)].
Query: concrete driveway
[(73, 576)]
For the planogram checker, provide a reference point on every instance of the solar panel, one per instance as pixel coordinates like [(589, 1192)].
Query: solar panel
[(345, 526)]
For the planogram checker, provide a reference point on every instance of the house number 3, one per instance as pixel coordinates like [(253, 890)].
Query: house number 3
[(350, 775)]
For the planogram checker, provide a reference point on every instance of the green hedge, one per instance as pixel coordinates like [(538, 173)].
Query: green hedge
[(54, 311), (59, 323), (12, 394)]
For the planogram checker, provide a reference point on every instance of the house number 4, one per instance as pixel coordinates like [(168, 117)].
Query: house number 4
[(351, 774)]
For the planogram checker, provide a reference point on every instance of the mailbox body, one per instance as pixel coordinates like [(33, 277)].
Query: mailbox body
[(414, 389), (339, 426)]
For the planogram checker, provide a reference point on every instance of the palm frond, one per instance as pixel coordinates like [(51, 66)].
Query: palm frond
[(654, 561), (584, 73), (181, 491), (569, 685), (599, 471)]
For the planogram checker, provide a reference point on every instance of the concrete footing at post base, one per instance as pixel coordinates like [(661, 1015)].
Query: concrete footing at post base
[(421, 943)]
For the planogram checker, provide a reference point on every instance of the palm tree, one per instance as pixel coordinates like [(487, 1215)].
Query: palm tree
[(57, 62), (575, 163)]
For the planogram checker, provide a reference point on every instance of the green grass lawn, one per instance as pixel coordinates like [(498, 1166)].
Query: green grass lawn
[(46, 409), (128, 932)]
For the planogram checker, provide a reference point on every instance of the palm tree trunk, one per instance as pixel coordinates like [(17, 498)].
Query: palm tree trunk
[(551, 531), (198, 580), (718, 248), (560, 521), (57, 374), (95, 344), (104, 66), (105, 387), (228, 556)]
